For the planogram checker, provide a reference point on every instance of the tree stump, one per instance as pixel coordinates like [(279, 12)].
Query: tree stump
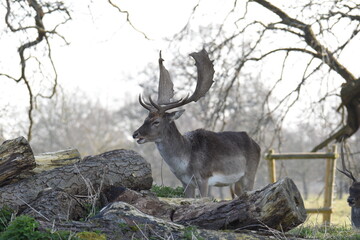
[(87, 178), (16, 156)]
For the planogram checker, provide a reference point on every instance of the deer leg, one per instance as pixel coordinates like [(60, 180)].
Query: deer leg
[(189, 191), (245, 183), (232, 193), (242, 185), (238, 188), (204, 188)]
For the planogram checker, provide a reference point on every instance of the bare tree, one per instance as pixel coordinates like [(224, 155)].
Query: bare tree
[(305, 41), (75, 120), (25, 24)]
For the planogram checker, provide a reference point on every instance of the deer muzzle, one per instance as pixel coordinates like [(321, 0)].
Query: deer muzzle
[(140, 139), (351, 201)]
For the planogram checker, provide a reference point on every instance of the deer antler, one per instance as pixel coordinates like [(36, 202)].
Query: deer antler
[(166, 86), (205, 71), (345, 171), (145, 104)]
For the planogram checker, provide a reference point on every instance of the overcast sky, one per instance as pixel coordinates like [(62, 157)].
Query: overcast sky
[(104, 50)]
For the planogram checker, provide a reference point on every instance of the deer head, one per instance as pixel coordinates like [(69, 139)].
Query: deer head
[(354, 190), (159, 120)]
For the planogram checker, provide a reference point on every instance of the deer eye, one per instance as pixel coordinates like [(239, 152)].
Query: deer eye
[(155, 123)]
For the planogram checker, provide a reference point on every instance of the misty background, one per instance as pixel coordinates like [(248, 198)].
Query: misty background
[(71, 73)]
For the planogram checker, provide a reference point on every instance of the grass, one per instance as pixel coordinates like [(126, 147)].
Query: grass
[(168, 192), (332, 232), (339, 229), (340, 215)]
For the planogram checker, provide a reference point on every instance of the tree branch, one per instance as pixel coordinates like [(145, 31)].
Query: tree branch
[(310, 38), (128, 18), (10, 17)]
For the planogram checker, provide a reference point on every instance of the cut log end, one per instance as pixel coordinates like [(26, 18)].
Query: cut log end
[(16, 157), (278, 206), (282, 205)]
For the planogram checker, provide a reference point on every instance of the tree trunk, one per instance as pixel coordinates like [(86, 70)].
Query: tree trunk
[(16, 157), (350, 98), (278, 206), (86, 178), (50, 160)]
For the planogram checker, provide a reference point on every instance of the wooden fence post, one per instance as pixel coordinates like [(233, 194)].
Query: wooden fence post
[(272, 168), (329, 186), (330, 157)]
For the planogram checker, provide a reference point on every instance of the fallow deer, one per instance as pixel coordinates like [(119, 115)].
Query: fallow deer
[(198, 158), (354, 191)]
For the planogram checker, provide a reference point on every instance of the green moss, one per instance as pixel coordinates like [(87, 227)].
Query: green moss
[(129, 228), (191, 233), (90, 236)]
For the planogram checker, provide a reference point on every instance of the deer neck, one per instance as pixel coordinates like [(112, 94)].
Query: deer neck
[(174, 149)]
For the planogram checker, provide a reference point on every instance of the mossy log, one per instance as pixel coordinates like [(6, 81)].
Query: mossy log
[(16, 157)]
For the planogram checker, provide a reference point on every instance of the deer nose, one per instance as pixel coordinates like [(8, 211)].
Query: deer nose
[(135, 135), (351, 201)]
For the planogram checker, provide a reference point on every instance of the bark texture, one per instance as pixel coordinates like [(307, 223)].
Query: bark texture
[(16, 157), (87, 178), (121, 221), (278, 206), (350, 97), (57, 205)]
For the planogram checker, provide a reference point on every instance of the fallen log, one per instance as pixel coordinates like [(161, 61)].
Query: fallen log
[(16, 157), (51, 160), (277, 206), (86, 178), (122, 221)]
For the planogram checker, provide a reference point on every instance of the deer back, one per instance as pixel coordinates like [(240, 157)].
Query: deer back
[(222, 152)]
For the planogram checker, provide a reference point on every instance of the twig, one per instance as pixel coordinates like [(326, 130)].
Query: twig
[(33, 209)]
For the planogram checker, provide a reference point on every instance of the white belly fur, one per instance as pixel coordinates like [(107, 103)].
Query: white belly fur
[(220, 180)]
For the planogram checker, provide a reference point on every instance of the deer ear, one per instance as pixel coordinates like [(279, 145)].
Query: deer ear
[(175, 115)]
